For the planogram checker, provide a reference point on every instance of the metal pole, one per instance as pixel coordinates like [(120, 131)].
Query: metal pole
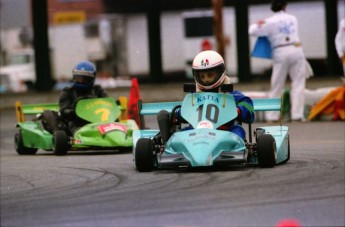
[(333, 65), (241, 9), (44, 80), (218, 26), (155, 55)]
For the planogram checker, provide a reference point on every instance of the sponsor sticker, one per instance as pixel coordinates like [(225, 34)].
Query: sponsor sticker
[(104, 128), (205, 124)]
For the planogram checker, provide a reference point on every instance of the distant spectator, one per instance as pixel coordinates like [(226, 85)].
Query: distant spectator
[(288, 57)]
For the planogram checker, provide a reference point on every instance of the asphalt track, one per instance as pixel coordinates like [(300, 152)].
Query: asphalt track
[(104, 189)]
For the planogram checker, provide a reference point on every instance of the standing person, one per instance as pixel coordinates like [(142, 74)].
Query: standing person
[(288, 57), (209, 74), (84, 74), (340, 43)]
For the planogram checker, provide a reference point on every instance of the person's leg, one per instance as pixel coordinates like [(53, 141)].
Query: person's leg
[(297, 74), (50, 120), (278, 78)]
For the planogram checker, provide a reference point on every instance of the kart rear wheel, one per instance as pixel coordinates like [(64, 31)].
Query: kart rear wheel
[(267, 151), (164, 125), (60, 143), (144, 157), (19, 145), (259, 132)]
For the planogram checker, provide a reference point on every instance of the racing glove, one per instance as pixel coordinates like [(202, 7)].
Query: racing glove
[(178, 117)]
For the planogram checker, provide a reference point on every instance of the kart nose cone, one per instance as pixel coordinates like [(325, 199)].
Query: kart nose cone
[(202, 158), (202, 147)]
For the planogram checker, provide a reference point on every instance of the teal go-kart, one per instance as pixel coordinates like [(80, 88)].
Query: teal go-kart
[(203, 144), (108, 128)]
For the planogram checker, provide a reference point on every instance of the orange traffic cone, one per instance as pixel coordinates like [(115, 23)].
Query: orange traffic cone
[(134, 97)]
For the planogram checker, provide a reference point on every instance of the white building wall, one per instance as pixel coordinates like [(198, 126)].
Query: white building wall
[(172, 42), (67, 52), (137, 44)]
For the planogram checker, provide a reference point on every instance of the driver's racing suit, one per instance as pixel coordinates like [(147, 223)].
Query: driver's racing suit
[(245, 112), (68, 97)]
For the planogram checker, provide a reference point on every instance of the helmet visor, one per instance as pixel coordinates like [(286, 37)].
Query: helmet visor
[(81, 79), (206, 77)]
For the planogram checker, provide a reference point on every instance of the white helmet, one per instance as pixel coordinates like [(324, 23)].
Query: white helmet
[(208, 70)]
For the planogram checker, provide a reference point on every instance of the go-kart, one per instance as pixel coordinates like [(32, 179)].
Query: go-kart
[(203, 144), (107, 129)]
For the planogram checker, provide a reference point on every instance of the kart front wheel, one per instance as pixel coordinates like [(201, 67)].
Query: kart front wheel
[(19, 145), (60, 143), (267, 151), (144, 157)]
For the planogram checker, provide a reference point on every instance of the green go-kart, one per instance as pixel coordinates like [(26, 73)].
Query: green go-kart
[(108, 128)]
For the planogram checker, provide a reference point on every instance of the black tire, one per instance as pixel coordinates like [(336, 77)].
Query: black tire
[(19, 145), (60, 143), (258, 132), (267, 151), (164, 125), (144, 157)]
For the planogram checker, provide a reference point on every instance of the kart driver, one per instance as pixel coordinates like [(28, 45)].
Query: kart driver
[(84, 74), (209, 73)]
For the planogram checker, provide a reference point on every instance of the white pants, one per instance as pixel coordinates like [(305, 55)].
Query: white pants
[(289, 60)]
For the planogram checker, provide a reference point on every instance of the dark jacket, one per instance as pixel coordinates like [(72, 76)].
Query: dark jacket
[(68, 98)]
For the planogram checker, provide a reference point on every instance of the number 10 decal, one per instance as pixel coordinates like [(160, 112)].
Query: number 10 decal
[(212, 112)]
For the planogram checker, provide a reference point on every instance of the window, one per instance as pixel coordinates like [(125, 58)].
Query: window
[(198, 26)]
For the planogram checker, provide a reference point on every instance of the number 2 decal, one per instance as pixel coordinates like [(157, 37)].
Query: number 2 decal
[(212, 112)]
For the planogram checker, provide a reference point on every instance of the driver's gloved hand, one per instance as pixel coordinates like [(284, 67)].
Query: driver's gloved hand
[(178, 116)]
